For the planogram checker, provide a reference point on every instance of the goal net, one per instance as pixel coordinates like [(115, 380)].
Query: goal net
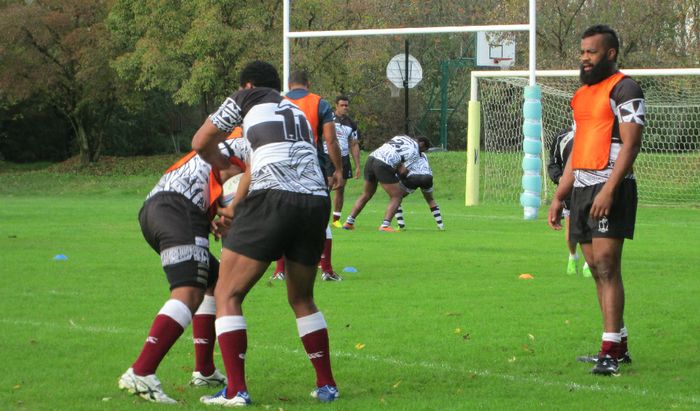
[(667, 168)]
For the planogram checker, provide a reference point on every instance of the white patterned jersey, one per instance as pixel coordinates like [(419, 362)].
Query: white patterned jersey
[(190, 176), (282, 151), (399, 149), (419, 166), (628, 104), (345, 131)]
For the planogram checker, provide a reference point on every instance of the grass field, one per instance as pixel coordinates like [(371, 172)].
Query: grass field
[(431, 320)]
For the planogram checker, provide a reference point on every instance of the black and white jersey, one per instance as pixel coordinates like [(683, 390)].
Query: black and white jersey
[(282, 151), (346, 132), (628, 104), (191, 178), (399, 149), (419, 166), (559, 154)]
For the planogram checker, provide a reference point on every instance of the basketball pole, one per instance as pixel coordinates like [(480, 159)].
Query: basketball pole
[(405, 90)]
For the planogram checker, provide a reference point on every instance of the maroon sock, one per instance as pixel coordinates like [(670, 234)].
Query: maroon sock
[(326, 265), (233, 345), (204, 337), (163, 334), (279, 265), (623, 346), (317, 348), (610, 348)]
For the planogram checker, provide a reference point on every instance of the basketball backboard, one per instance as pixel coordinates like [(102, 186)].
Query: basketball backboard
[(493, 51)]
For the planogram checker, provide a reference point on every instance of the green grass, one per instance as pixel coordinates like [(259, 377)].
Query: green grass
[(444, 319)]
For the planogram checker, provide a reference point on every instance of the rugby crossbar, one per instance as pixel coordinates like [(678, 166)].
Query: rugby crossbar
[(287, 34)]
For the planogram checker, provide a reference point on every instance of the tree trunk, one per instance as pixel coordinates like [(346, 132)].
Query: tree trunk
[(83, 142)]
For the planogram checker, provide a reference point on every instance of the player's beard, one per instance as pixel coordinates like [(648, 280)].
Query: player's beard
[(602, 70)]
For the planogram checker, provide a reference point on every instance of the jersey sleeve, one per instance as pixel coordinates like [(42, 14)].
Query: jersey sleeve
[(325, 113), (355, 135), (229, 114), (628, 99)]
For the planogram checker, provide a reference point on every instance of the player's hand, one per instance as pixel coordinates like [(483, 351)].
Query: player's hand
[(554, 215), (338, 180), (220, 226), (602, 204), (357, 173), (225, 211)]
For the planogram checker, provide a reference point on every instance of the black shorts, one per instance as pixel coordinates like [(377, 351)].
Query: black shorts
[(376, 170), (347, 167), (269, 224), (179, 232), (620, 222), (416, 181)]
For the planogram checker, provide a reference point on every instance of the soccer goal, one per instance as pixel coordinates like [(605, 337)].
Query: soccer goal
[(667, 169)]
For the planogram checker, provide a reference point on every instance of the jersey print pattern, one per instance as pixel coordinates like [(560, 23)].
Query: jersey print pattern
[(192, 178), (398, 150), (419, 166)]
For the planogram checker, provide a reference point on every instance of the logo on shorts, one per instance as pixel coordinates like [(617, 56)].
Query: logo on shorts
[(603, 225)]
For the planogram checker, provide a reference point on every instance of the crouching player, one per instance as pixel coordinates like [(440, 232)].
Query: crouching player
[(176, 219), (420, 175), (383, 166)]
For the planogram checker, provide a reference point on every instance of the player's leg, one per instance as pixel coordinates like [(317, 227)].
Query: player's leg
[(395, 196), (279, 269), (182, 242), (368, 191), (204, 336), (237, 275), (338, 200), (339, 196), (572, 264), (434, 207), (256, 238), (607, 253), (400, 219), (169, 324), (326, 262), (312, 328)]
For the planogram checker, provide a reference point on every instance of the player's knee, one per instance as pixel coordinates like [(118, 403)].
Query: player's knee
[(605, 270), (301, 302)]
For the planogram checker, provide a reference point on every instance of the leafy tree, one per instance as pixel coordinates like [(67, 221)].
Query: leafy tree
[(57, 51), (193, 49)]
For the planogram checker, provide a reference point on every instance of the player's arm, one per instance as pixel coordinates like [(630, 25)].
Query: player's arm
[(334, 153), (631, 136), (401, 171), (206, 143), (241, 193), (566, 184), (355, 151)]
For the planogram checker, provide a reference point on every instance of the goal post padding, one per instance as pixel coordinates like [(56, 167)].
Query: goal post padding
[(667, 168)]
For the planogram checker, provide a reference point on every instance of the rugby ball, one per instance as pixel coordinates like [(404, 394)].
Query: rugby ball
[(229, 190)]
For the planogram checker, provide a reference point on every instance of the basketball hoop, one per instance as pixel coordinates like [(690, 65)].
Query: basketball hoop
[(503, 62), (395, 91)]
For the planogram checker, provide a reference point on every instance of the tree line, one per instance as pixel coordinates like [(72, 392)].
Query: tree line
[(137, 77)]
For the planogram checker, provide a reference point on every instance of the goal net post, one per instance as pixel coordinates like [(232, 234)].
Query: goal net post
[(668, 165)]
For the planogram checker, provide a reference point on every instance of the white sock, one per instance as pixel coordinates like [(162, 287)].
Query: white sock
[(573, 256), (612, 337)]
